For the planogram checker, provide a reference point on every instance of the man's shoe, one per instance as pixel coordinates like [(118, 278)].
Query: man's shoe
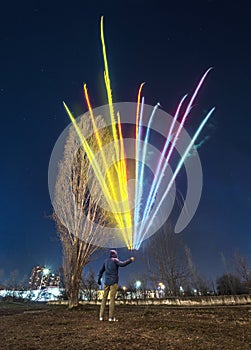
[(113, 319), (101, 318)]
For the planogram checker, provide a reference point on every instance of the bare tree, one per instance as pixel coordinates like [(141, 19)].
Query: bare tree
[(242, 268), (238, 274), (196, 281), (12, 282), (23, 284), (1, 279), (167, 260), (89, 285), (76, 209), (229, 284), (130, 286)]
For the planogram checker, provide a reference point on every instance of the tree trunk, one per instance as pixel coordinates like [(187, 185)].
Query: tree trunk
[(73, 292)]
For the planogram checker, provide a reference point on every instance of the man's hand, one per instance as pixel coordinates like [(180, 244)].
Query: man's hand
[(132, 259)]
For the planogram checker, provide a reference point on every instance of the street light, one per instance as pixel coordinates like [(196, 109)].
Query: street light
[(137, 284), (181, 290), (138, 291), (162, 286)]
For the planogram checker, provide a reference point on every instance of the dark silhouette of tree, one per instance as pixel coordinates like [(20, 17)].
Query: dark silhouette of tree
[(89, 285), (2, 285), (195, 280), (12, 282), (242, 268), (229, 284), (167, 260)]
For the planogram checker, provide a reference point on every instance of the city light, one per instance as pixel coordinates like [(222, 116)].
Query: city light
[(137, 284), (162, 286), (181, 290), (46, 271)]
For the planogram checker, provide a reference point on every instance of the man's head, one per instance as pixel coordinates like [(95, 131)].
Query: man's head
[(113, 254)]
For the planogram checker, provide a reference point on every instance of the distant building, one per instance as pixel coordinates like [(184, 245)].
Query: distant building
[(36, 277), (41, 277), (51, 280)]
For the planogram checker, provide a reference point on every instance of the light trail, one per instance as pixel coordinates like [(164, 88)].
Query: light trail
[(160, 172), (156, 183), (113, 179), (138, 185), (122, 194), (116, 196), (98, 173), (123, 187), (100, 144), (181, 162), (121, 162), (146, 142), (141, 162), (108, 88), (139, 114)]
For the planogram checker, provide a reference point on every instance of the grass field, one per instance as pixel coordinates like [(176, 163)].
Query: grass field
[(38, 326)]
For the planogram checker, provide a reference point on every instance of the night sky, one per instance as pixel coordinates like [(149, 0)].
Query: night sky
[(49, 49)]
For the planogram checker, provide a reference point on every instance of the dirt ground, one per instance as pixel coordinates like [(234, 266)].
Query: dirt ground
[(33, 326)]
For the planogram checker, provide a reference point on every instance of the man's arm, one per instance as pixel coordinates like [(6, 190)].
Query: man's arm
[(101, 274), (123, 263)]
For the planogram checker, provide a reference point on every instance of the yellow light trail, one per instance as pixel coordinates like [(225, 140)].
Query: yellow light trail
[(121, 169), (116, 196), (108, 86), (123, 186), (121, 163), (100, 178), (99, 141)]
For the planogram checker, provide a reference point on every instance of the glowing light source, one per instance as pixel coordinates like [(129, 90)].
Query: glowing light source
[(138, 284), (162, 286), (46, 271)]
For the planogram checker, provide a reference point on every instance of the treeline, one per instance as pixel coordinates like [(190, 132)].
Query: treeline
[(13, 281), (169, 271)]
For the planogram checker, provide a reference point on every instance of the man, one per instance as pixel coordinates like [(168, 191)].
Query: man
[(110, 267)]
